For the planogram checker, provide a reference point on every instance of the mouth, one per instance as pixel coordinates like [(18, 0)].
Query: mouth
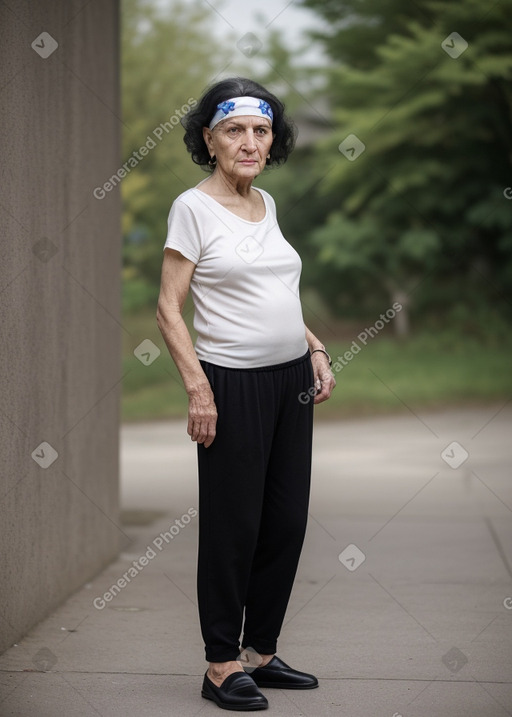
[(248, 162)]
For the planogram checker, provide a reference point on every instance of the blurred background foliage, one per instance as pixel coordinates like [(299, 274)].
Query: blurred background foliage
[(420, 217)]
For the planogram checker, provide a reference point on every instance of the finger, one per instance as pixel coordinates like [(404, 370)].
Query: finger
[(195, 431), (202, 431), (321, 395), (208, 442), (211, 431), (321, 382), (326, 389)]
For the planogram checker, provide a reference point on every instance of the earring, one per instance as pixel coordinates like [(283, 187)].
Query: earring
[(268, 159), (212, 161)]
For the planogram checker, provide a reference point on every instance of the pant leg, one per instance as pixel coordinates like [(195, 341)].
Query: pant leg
[(231, 492), (284, 511)]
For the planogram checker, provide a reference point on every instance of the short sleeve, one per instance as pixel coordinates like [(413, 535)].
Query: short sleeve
[(182, 232), (270, 202)]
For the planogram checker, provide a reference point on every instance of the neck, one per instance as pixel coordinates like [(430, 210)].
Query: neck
[(228, 186)]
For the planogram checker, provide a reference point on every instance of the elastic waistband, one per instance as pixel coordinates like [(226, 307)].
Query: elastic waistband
[(274, 367)]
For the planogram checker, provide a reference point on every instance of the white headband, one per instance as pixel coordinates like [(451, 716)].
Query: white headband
[(242, 106)]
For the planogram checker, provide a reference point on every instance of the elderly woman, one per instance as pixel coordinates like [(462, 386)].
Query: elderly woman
[(250, 380)]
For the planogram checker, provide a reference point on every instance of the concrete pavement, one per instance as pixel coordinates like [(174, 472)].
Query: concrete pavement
[(402, 604)]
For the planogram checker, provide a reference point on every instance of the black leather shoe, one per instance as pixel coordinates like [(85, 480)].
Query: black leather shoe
[(278, 674), (237, 692)]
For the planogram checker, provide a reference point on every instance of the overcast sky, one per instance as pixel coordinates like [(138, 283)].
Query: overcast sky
[(284, 15), (239, 17)]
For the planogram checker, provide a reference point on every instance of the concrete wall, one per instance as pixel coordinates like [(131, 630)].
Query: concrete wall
[(60, 367)]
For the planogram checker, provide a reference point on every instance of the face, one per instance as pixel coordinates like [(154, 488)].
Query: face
[(241, 145)]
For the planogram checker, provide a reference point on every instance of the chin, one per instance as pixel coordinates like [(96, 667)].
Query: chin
[(248, 170)]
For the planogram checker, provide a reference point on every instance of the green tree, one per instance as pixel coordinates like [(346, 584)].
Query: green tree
[(423, 202), (167, 60)]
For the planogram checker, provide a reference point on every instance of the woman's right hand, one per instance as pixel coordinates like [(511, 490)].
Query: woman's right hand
[(202, 416)]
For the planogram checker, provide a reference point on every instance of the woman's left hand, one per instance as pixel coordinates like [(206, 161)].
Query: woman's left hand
[(324, 381)]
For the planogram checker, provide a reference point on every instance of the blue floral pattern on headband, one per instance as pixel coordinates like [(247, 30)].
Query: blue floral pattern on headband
[(226, 107), (266, 109), (240, 106)]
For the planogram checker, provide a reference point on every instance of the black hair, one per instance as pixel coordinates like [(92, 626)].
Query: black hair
[(201, 115)]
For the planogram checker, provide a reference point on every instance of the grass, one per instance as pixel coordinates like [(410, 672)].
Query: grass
[(426, 371)]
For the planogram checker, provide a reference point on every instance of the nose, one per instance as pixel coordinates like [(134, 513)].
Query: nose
[(249, 143)]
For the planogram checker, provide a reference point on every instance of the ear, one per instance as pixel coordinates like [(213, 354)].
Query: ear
[(208, 139)]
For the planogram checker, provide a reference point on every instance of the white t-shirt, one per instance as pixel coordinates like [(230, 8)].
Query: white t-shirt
[(245, 286)]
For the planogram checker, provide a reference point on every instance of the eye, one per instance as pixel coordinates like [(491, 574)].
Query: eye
[(262, 130), (233, 130)]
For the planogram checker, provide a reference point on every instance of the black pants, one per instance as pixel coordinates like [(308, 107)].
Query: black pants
[(254, 483)]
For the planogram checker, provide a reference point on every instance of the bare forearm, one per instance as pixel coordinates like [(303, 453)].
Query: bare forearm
[(179, 343), (312, 340)]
